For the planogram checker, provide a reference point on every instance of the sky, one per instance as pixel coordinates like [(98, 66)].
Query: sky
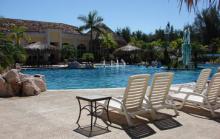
[(144, 15)]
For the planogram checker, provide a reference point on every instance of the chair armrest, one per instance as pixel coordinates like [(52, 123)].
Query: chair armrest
[(120, 102), (116, 100), (179, 88), (187, 87), (192, 93)]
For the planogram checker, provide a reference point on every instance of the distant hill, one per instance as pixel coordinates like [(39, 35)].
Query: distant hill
[(35, 26)]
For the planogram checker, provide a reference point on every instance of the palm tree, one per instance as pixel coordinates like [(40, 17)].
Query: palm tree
[(194, 3), (7, 52), (17, 34), (91, 22), (10, 49)]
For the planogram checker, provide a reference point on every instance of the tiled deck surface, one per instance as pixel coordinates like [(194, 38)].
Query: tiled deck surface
[(52, 115)]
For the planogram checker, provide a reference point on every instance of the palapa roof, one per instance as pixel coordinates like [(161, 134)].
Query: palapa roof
[(104, 28), (128, 48), (40, 46)]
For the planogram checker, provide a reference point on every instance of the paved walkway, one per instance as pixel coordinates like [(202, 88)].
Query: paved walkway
[(52, 115)]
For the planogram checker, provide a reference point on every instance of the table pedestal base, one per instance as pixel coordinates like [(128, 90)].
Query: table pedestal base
[(96, 130)]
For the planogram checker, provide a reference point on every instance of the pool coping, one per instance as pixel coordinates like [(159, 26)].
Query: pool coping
[(115, 88), (51, 90)]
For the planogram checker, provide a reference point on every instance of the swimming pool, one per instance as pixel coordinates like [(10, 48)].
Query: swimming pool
[(109, 77)]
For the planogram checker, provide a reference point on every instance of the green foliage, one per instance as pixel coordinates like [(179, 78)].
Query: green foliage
[(215, 45), (197, 51), (20, 55), (139, 35), (159, 34), (158, 42), (17, 34), (217, 61), (88, 57), (10, 53), (207, 25), (108, 41), (137, 42), (68, 52), (176, 44), (124, 33), (6, 56), (194, 3), (92, 23)]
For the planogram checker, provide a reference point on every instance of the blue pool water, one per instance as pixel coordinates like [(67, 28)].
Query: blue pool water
[(109, 77)]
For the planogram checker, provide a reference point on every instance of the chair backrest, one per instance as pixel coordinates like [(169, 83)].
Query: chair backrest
[(160, 87), (218, 69), (214, 88), (135, 91), (202, 80)]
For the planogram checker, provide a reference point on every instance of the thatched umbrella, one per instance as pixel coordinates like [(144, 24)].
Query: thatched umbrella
[(40, 46), (40, 49), (128, 48), (126, 52)]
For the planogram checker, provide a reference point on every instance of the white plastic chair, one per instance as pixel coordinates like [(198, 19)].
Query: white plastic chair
[(208, 98), (218, 69), (200, 85), (131, 103), (157, 97)]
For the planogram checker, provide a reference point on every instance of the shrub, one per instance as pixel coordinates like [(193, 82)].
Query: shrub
[(68, 52), (88, 57)]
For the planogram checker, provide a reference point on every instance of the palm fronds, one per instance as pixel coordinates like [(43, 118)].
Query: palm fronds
[(193, 3)]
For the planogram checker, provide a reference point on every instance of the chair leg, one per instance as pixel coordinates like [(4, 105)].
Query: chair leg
[(153, 114), (105, 105), (183, 102), (173, 106), (212, 111), (175, 110), (210, 108), (128, 118)]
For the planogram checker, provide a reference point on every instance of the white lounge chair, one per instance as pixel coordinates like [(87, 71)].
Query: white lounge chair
[(157, 98), (200, 85), (208, 98), (131, 103)]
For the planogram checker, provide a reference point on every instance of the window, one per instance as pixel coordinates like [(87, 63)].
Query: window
[(54, 43)]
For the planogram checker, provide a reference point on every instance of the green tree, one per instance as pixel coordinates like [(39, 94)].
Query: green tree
[(10, 53), (17, 34), (125, 33), (207, 27), (153, 50), (6, 59), (88, 57), (108, 43), (68, 52), (91, 22), (197, 51), (137, 42), (215, 44), (175, 47)]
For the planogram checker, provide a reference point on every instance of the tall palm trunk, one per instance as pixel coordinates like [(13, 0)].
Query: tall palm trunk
[(91, 40)]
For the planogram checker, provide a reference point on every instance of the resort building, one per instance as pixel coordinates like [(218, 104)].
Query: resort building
[(47, 38)]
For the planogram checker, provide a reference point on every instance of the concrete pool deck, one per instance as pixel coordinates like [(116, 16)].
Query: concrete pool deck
[(53, 114)]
